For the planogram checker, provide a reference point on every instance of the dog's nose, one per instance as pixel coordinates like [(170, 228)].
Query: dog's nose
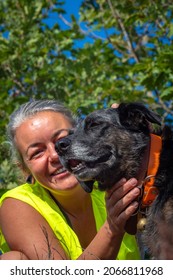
[(62, 145)]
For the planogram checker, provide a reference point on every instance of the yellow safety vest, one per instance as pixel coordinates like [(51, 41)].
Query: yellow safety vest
[(40, 199)]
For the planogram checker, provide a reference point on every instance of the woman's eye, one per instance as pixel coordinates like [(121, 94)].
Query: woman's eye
[(36, 154)]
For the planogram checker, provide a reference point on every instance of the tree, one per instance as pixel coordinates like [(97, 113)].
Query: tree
[(139, 37), (126, 55)]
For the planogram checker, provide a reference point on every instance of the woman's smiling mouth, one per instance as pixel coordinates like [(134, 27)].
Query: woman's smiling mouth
[(59, 171)]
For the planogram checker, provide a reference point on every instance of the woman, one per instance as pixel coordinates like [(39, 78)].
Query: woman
[(51, 216)]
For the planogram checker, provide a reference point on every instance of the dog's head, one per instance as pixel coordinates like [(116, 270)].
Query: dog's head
[(107, 145)]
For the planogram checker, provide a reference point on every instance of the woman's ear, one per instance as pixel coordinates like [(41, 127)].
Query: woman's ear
[(25, 172), (30, 179)]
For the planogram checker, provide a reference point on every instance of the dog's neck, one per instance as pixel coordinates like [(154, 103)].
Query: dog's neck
[(144, 165), (149, 168), (150, 161)]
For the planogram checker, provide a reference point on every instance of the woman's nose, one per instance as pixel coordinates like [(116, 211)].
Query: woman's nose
[(52, 153)]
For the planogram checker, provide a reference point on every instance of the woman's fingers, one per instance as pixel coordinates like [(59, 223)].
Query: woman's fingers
[(118, 185), (120, 189), (129, 205), (117, 206), (115, 105), (120, 202)]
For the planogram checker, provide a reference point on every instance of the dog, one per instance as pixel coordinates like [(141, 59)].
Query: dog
[(113, 143)]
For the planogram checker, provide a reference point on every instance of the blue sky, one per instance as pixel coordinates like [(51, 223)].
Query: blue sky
[(71, 7)]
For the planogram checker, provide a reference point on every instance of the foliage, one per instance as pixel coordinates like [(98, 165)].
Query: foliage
[(125, 55), (138, 35), (8, 177)]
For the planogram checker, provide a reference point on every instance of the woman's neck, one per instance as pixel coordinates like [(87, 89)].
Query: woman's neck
[(72, 201)]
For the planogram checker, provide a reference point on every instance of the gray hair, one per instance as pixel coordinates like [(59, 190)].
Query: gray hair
[(26, 111)]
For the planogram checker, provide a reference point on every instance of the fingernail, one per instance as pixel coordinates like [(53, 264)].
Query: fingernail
[(133, 182), (135, 204), (123, 181), (136, 191)]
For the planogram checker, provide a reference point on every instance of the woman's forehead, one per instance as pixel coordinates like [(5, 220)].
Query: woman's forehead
[(41, 124), (51, 117)]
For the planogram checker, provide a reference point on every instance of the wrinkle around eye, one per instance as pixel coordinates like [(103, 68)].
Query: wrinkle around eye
[(35, 155)]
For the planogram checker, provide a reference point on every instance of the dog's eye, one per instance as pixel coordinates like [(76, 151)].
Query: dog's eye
[(71, 131), (92, 124)]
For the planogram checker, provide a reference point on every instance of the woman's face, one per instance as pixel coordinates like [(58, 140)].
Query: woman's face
[(35, 140)]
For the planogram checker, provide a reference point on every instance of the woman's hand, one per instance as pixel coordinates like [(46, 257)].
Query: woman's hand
[(115, 105), (121, 204), (13, 255)]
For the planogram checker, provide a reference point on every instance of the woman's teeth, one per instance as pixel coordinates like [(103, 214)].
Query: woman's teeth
[(59, 171)]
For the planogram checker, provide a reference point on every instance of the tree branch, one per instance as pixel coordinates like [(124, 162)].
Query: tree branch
[(107, 36), (126, 35), (166, 108), (89, 33)]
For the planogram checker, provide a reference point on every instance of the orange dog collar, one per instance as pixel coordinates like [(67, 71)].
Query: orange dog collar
[(149, 190)]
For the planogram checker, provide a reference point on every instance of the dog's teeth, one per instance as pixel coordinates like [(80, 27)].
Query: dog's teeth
[(80, 165)]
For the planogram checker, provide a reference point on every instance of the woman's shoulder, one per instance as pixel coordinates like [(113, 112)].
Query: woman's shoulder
[(17, 190), (29, 193)]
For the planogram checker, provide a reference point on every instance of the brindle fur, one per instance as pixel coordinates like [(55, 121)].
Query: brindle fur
[(110, 144)]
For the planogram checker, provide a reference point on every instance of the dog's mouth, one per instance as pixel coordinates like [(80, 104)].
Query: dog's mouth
[(79, 167)]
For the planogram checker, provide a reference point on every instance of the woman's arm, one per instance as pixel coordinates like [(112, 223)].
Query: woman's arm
[(28, 233), (29, 236)]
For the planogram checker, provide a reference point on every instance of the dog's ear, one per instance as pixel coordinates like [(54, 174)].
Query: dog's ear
[(87, 186), (136, 116)]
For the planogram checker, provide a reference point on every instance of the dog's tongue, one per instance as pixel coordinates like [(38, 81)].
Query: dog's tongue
[(74, 162)]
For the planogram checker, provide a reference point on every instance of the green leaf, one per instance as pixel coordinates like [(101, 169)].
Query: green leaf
[(167, 94), (170, 34)]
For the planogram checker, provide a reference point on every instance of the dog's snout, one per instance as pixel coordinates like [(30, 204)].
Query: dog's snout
[(62, 145)]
